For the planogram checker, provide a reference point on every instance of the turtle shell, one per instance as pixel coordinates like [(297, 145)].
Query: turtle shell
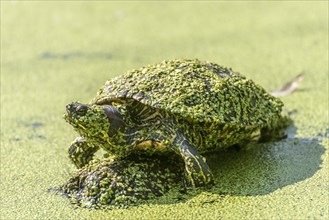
[(199, 91)]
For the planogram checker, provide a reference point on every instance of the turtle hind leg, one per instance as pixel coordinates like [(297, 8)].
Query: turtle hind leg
[(276, 130), (81, 152), (197, 171)]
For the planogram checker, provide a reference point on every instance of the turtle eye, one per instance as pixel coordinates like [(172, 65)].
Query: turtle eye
[(82, 109)]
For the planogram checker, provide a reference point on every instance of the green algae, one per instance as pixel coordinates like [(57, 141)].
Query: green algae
[(122, 183), (269, 42)]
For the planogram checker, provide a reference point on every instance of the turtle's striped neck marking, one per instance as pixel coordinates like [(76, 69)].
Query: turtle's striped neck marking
[(145, 115)]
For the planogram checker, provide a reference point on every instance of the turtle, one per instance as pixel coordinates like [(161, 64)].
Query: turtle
[(183, 106)]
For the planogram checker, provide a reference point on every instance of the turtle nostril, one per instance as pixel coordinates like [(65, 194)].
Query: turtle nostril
[(69, 108)]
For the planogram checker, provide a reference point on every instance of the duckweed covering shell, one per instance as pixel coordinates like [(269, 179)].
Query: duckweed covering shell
[(202, 91)]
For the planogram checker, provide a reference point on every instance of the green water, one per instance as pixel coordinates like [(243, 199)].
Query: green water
[(53, 53)]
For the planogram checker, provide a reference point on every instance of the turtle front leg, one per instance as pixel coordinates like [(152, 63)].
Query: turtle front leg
[(197, 171), (81, 152)]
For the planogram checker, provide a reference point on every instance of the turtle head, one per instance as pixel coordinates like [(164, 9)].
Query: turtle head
[(101, 124)]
